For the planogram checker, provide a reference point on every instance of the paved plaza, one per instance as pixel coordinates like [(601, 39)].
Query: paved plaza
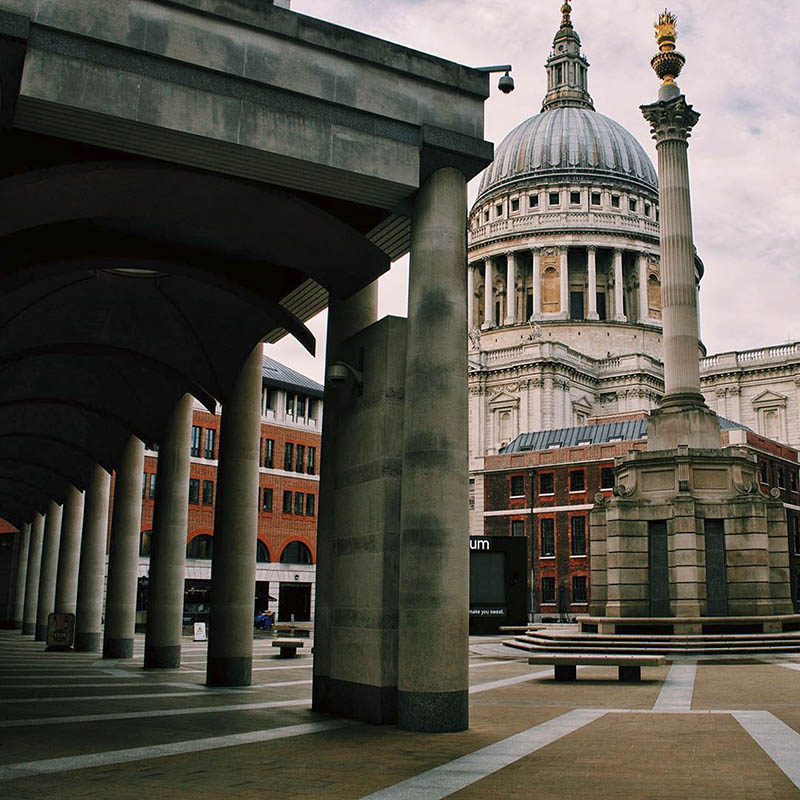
[(76, 726)]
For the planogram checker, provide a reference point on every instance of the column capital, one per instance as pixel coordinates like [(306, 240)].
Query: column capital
[(591, 248), (670, 120)]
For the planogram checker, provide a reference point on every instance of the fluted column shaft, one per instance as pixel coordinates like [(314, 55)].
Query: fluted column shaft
[(536, 262), (49, 569), (619, 288), (69, 552), (123, 556), (233, 568), (564, 275), (592, 290), (92, 569), (20, 575), (511, 290), (644, 302), (488, 294), (162, 644), (33, 572), (470, 297)]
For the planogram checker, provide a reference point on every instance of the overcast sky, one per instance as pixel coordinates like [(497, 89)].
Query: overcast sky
[(742, 72)]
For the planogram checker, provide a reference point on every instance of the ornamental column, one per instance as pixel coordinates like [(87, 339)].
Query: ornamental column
[(470, 297), (644, 302), (619, 302), (49, 569), (123, 554), (21, 573), (488, 294), (511, 289), (536, 269), (162, 642), (564, 275), (92, 569), (432, 679), (591, 253), (69, 552), (32, 582), (233, 566)]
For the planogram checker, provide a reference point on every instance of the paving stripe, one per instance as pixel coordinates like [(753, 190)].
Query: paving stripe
[(174, 712), (780, 742), (495, 663), (442, 781), (27, 769), (676, 693), (73, 685), (788, 665), (532, 676)]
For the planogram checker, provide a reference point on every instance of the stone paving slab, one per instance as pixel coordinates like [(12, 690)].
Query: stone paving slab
[(745, 686)]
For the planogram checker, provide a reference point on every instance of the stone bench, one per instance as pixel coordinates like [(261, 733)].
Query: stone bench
[(565, 664), (289, 647)]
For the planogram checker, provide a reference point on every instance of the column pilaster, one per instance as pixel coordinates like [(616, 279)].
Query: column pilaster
[(511, 289), (488, 295), (536, 281), (33, 572), (470, 297), (69, 552), (49, 569), (619, 288), (21, 574), (564, 276), (591, 262), (644, 302)]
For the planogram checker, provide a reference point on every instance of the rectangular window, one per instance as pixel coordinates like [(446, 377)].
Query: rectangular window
[(515, 205), (614, 201), (310, 500), (632, 204), (300, 458), (575, 198), (269, 453), (144, 485), (312, 408), (607, 478), (208, 493), (486, 215), (194, 490), (312, 456), (780, 478), (793, 479), (269, 402), (517, 527), (517, 486), (548, 590), (546, 483), (266, 500), (554, 199), (578, 535), (289, 404), (533, 201), (596, 198), (287, 502), (288, 456), (647, 209), (762, 466), (197, 433), (298, 502), (579, 594), (547, 530), (301, 406), (499, 209), (211, 436), (151, 487), (577, 481)]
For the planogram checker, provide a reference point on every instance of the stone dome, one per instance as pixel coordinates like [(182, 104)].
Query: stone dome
[(570, 141)]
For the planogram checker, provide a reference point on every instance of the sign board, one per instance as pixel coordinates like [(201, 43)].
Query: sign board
[(487, 612), (60, 631), (199, 632)]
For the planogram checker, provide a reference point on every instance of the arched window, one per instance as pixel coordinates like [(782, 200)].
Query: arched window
[(654, 296), (551, 291), (295, 553), (262, 554), (200, 547), (144, 543)]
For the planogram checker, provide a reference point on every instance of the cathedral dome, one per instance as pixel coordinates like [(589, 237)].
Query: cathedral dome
[(570, 141)]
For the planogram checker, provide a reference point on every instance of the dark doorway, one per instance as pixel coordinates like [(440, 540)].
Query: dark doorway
[(659, 569), (262, 597), (601, 305), (716, 573), (529, 305), (576, 305), (295, 598)]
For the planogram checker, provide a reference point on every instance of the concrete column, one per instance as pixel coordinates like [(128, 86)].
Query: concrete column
[(470, 297), (564, 274), (162, 643), (644, 302), (511, 290), (123, 554), (91, 573), (345, 318), (69, 553), (619, 287), (20, 574), (233, 568), (591, 253), (434, 560), (488, 295), (33, 571), (49, 569), (536, 254)]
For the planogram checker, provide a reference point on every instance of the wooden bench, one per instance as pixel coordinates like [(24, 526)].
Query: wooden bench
[(565, 664), (289, 647)]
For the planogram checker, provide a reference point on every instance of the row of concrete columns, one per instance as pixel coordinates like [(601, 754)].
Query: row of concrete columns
[(62, 554), (510, 318)]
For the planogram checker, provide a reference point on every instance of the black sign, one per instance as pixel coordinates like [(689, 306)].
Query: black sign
[(487, 612)]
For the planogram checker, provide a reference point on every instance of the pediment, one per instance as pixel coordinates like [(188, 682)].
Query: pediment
[(769, 398), (582, 404), (504, 400)]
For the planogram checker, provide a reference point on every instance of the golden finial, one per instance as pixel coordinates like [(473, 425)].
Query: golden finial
[(668, 62), (566, 10)]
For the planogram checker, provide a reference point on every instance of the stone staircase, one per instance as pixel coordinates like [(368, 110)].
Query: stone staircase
[(541, 641)]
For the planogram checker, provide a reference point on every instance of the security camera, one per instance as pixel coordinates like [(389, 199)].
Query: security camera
[(506, 84), (338, 374)]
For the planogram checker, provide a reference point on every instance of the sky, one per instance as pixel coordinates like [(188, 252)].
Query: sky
[(741, 74)]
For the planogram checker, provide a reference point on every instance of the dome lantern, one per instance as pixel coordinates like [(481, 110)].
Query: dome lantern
[(567, 69)]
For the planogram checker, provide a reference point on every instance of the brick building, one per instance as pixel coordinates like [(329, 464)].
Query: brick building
[(542, 486)]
